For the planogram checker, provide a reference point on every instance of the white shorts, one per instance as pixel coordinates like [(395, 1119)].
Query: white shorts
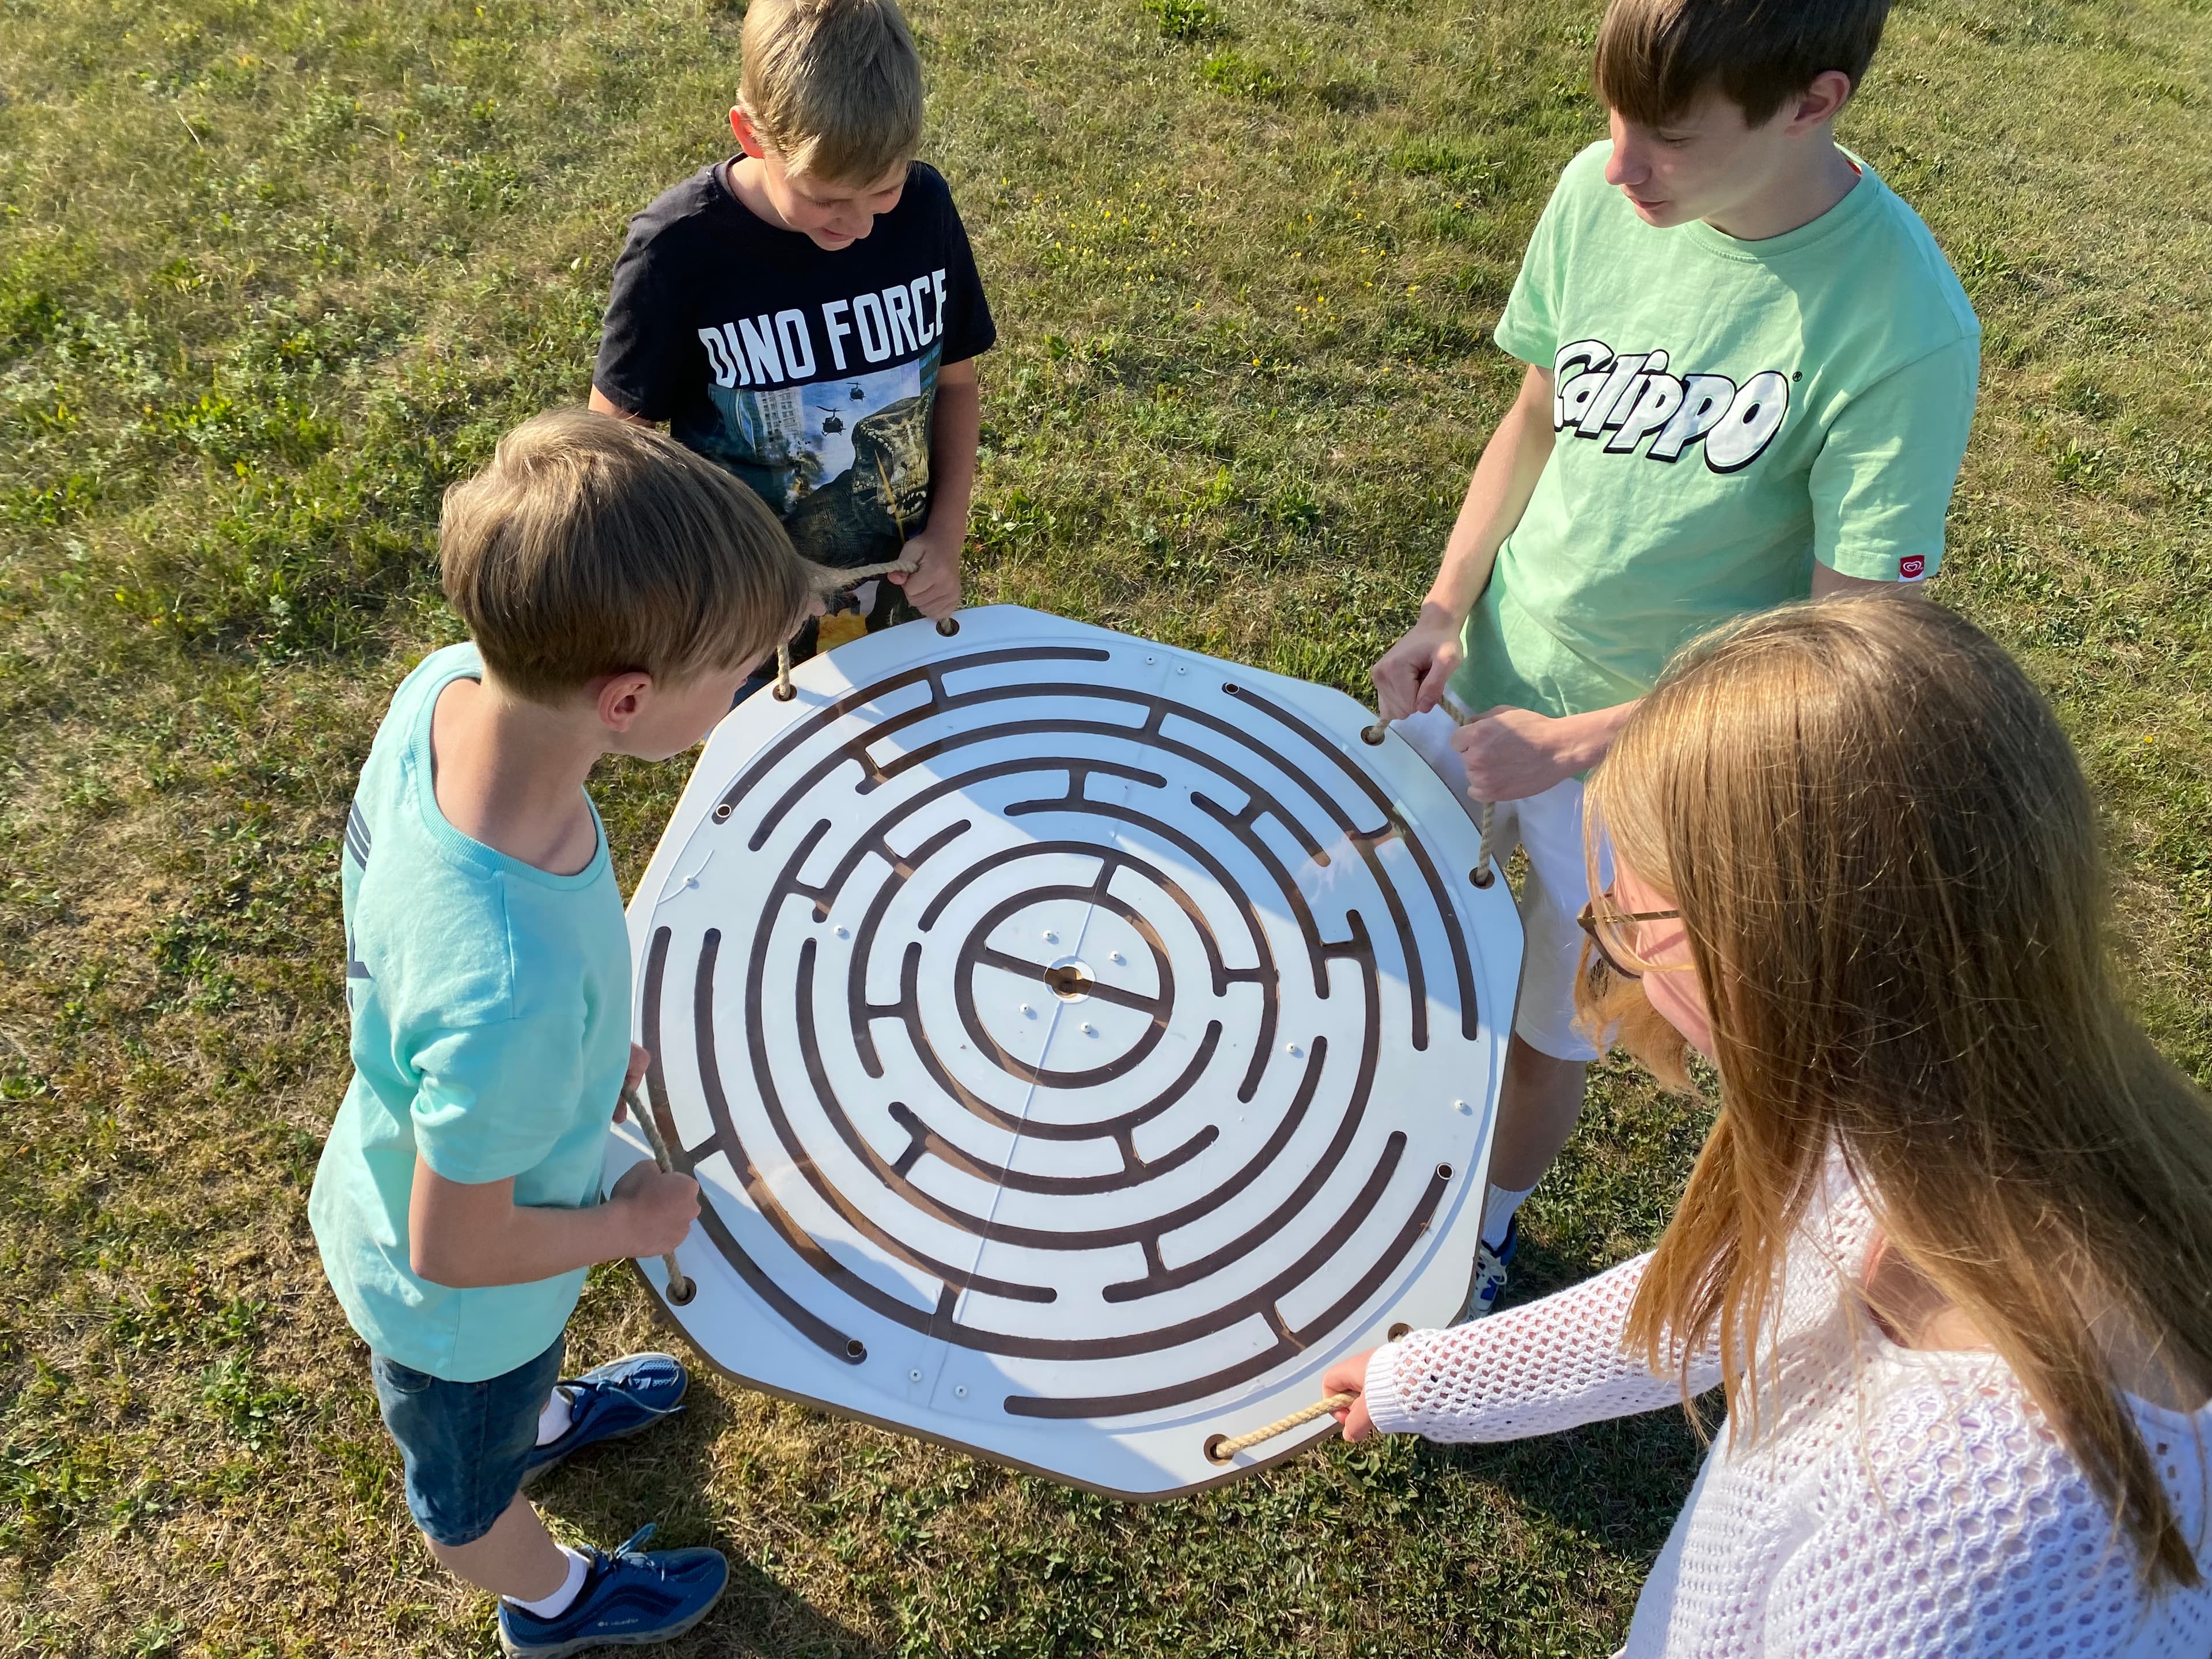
[(1549, 828)]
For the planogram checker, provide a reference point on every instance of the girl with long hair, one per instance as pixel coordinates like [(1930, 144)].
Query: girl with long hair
[(1948, 1246)]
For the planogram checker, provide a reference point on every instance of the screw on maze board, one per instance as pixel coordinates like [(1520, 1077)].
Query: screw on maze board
[(681, 1289), (1220, 1448)]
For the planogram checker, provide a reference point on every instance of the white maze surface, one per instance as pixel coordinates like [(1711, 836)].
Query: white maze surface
[(1080, 1044)]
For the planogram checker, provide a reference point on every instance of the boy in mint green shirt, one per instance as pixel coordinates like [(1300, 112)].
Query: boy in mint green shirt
[(1750, 377), (617, 590)]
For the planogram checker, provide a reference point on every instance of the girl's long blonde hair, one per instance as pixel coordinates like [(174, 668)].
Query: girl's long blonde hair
[(1886, 860)]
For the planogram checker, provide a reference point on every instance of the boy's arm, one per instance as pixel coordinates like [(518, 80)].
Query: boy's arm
[(1412, 674), (1511, 754), (465, 1236), (955, 423), (1826, 582), (603, 404)]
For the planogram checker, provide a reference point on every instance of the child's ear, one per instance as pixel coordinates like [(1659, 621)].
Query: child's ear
[(1822, 100), (619, 699), (748, 135)]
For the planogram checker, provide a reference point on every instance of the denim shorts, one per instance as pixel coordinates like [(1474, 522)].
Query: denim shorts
[(464, 1443)]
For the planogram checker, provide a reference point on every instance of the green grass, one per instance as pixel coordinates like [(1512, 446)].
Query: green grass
[(272, 274)]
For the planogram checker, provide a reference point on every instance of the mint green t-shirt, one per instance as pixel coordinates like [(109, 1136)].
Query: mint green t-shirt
[(1725, 413), (491, 1017)]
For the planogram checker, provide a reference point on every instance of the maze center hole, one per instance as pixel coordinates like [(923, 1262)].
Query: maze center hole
[(1069, 979)]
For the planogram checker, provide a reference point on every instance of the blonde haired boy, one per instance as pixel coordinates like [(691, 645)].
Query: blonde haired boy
[(807, 313), (616, 589), (1750, 377)]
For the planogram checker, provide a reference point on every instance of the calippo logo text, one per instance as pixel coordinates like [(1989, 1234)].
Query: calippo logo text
[(1625, 399)]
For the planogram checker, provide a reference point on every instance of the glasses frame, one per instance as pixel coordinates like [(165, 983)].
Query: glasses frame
[(1588, 922)]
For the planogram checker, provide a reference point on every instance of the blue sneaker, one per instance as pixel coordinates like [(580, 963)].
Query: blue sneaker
[(1489, 1279), (616, 1399), (629, 1599)]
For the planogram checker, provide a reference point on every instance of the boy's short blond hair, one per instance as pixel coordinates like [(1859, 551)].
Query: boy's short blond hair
[(1656, 58), (834, 85), (592, 545)]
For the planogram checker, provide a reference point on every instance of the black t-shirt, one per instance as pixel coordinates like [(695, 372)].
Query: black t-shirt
[(810, 375)]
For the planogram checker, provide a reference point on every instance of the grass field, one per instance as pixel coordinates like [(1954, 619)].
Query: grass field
[(273, 272)]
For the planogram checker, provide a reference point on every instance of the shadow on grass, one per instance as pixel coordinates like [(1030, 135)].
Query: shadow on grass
[(1619, 1482), (665, 1476)]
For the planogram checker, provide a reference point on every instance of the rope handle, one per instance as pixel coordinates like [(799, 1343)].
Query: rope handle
[(1486, 856), (844, 579), (681, 1289), (1221, 1448)]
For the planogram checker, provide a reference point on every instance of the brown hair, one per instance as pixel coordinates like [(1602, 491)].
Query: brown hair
[(834, 85), (593, 545), (1655, 57), (1886, 860)]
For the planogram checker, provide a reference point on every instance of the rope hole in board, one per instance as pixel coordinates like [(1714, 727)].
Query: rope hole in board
[(783, 693), (1443, 1172), (948, 626), (856, 1351), (681, 1291), (1399, 1331), (1213, 1452), (1482, 875), (1373, 735), (722, 813)]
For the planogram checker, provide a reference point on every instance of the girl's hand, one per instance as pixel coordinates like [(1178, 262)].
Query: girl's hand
[(1350, 1377)]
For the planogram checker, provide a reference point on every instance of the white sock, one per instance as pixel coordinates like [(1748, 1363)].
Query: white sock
[(553, 1605), (553, 1422), (1498, 1214)]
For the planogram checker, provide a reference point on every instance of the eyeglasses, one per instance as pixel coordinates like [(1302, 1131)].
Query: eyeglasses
[(1610, 935)]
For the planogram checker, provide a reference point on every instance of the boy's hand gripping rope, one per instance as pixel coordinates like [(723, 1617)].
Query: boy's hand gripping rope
[(680, 1288), (1486, 856), (1220, 1449), (785, 691)]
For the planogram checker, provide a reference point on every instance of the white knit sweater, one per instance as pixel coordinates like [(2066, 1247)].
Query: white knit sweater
[(1909, 1505)]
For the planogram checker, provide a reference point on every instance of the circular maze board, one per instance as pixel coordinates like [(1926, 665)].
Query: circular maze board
[(1080, 1044)]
